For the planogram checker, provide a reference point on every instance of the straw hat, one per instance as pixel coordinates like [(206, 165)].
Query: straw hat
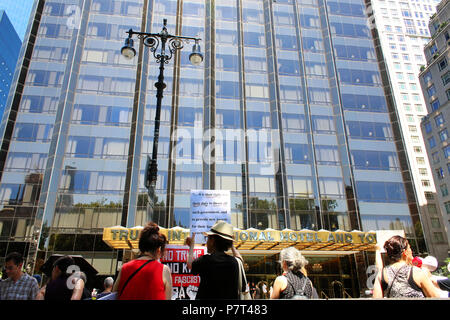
[(221, 229)]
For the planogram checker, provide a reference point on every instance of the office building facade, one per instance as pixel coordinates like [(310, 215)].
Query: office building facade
[(434, 80), (288, 111), (402, 30)]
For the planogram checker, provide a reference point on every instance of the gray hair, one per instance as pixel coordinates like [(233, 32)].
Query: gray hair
[(294, 259), (109, 282)]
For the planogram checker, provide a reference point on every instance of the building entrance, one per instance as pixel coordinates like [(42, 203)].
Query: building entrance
[(332, 276)]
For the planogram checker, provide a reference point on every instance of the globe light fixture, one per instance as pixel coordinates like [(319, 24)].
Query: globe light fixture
[(127, 50), (196, 58)]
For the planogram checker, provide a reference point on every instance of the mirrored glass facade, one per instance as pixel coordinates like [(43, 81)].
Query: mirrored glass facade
[(287, 111)]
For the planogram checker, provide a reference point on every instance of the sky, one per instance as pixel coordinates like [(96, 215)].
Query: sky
[(18, 12)]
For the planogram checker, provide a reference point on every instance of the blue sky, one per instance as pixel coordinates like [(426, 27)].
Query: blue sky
[(18, 12)]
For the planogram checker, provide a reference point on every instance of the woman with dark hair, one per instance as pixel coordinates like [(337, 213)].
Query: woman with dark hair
[(401, 279), (146, 278), (60, 286)]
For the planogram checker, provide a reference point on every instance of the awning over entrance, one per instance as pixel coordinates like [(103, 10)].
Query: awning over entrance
[(252, 239)]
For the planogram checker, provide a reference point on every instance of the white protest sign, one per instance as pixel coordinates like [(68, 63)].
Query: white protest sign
[(384, 235), (208, 206)]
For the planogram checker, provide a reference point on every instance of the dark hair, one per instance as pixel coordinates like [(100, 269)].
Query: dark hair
[(63, 264), (16, 257), (151, 239), (394, 247), (221, 244)]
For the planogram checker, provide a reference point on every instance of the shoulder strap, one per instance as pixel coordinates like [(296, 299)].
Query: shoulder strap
[(392, 283), (242, 286), (134, 273), (304, 285)]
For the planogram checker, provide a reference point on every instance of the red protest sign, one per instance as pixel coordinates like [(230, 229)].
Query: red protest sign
[(184, 284)]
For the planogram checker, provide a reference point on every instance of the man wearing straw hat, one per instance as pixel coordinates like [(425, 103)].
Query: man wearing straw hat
[(218, 271)]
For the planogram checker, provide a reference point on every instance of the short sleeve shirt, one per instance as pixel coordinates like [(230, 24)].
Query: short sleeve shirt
[(26, 288), (218, 276)]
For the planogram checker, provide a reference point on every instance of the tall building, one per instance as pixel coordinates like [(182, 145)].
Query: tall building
[(288, 111), (9, 52), (435, 79), (401, 29), (19, 14)]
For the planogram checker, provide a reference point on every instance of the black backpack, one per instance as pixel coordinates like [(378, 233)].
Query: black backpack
[(299, 295)]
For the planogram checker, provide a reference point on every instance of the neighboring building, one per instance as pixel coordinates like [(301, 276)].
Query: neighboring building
[(435, 83), (9, 52), (402, 30), (288, 111), (19, 14)]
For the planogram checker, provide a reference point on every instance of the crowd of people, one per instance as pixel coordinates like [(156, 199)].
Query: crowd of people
[(222, 275)]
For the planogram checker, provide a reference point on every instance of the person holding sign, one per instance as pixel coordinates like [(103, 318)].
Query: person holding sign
[(219, 272)]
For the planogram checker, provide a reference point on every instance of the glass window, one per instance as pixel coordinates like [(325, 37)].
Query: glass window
[(288, 67), (447, 207), (442, 64), (446, 151), (435, 104), (310, 44), (229, 119), (435, 223), (380, 191), (327, 155), (293, 122), (439, 119), (297, 153), (227, 62), (317, 69), (444, 190), (227, 89), (446, 78), (440, 173), (435, 157), (426, 183), (438, 237), (432, 142), (443, 135), (431, 91), (323, 124)]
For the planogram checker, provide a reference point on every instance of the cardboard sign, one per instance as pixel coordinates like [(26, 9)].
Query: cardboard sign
[(184, 284), (208, 206)]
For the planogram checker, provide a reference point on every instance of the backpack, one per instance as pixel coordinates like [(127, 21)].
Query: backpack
[(299, 295)]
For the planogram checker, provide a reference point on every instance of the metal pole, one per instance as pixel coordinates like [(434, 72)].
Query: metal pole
[(160, 86)]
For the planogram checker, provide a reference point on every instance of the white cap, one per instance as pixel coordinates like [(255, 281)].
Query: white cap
[(448, 267), (430, 262)]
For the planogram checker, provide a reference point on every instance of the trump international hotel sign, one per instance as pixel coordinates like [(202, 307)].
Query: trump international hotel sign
[(253, 239)]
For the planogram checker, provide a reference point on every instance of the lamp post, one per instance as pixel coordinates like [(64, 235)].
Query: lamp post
[(155, 41)]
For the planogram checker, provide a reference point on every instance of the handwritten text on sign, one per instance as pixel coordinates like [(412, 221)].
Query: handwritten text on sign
[(208, 206)]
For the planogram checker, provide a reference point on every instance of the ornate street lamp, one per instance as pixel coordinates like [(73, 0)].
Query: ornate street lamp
[(155, 41)]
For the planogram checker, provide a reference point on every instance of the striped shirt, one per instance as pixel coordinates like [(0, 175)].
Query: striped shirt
[(26, 288)]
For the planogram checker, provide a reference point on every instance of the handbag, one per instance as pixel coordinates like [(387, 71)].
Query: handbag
[(132, 275), (243, 295)]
